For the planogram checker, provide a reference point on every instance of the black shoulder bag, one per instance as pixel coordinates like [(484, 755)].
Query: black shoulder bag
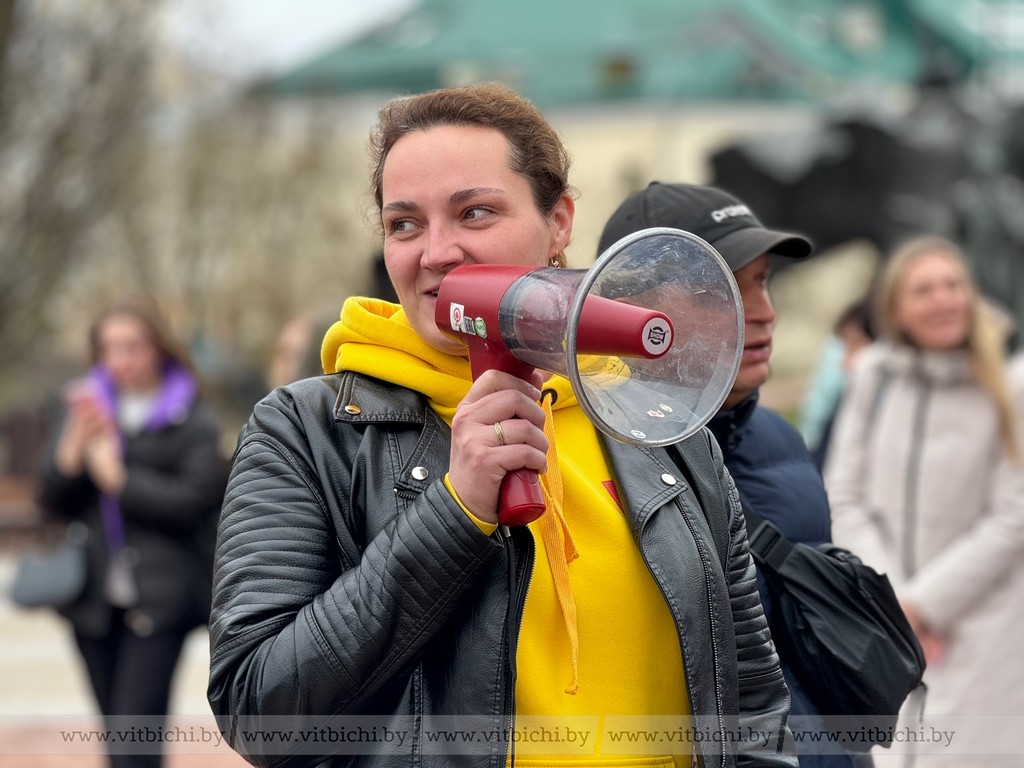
[(842, 631)]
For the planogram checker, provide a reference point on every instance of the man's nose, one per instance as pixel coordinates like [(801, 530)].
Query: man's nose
[(759, 308)]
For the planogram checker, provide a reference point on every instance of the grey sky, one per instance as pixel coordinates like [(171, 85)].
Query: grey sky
[(252, 37)]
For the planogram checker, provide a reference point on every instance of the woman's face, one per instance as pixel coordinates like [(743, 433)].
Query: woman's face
[(933, 302), (128, 353), (450, 198)]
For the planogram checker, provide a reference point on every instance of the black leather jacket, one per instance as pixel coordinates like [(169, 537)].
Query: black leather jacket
[(349, 583)]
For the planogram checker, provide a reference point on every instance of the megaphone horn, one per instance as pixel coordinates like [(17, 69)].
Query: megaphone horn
[(613, 330)]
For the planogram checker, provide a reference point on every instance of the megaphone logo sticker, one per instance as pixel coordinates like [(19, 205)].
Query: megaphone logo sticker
[(455, 314), (657, 336)]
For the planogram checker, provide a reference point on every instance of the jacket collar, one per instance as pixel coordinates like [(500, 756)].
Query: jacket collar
[(363, 399), (943, 368), (178, 390), (653, 479), (728, 425)]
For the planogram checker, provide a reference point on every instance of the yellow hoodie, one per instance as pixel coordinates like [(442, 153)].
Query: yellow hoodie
[(600, 677)]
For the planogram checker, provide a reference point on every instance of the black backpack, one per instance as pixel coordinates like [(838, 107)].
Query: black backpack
[(840, 627), (837, 621)]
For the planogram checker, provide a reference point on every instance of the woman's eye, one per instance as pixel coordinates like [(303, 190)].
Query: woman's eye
[(476, 212), (398, 226)]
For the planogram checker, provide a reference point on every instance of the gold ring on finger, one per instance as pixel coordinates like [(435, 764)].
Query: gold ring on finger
[(500, 433)]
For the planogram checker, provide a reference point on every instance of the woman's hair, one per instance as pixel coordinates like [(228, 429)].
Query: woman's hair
[(858, 315), (149, 316), (987, 336), (535, 150)]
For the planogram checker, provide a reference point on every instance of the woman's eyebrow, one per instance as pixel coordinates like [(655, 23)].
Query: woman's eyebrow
[(399, 206), (468, 194)]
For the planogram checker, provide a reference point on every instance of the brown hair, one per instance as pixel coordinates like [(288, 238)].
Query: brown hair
[(146, 313), (986, 339), (536, 151)]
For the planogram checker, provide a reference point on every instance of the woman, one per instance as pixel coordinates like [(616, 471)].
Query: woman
[(926, 483), (361, 578), (137, 459)]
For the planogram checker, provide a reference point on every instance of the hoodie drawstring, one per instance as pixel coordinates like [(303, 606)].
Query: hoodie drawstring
[(558, 543)]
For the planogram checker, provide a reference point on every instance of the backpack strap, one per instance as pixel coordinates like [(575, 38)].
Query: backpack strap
[(768, 546)]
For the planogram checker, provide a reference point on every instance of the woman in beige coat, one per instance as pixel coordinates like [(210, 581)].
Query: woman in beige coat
[(926, 484)]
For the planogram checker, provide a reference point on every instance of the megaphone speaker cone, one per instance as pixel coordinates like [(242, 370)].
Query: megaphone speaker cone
[(697, 329)]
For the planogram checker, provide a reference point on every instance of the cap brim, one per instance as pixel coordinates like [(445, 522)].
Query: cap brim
[(742, 246)]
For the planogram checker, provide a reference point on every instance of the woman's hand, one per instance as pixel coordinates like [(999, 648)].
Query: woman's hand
[(104, 464), (932, 643), (483, 453), (86, 421)]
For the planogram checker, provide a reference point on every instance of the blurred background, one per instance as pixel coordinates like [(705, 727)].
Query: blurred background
[(212, 154)]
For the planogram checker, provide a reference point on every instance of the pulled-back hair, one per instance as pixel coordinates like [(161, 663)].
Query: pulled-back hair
[(535, 150)]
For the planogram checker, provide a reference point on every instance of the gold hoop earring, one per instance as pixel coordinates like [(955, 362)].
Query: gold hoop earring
[(557, 261)]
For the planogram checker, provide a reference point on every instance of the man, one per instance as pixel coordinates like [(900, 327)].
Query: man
[(767, 457)]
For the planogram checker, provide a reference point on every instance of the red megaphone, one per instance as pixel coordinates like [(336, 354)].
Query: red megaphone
[(515, 319)]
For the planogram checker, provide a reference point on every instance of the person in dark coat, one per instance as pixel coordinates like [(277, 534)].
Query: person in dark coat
[(137, 459), (766, 456)]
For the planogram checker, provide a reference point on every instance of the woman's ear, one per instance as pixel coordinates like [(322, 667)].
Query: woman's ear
[(561, 219)]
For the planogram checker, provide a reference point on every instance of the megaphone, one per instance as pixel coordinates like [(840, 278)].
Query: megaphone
[(650, 336)]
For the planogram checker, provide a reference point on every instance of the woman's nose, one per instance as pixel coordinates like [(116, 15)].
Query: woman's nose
[(441, 249)]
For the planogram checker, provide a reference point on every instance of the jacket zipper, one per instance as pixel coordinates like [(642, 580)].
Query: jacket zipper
[(711, 626), (913, 477), (514, 624)]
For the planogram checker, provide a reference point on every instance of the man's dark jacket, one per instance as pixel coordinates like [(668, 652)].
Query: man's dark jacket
[(777, 478), (349, 583)]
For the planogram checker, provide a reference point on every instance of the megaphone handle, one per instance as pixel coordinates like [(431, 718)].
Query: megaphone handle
[(520, 499)]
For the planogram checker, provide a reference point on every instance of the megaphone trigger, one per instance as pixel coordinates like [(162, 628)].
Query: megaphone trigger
[(521, 498)]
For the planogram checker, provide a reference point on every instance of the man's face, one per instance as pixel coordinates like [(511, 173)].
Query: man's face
[(759, 322)]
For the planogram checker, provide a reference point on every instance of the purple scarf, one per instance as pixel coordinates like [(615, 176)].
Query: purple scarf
[(178, 389)]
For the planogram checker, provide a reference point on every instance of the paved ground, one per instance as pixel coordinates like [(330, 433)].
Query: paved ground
[(43, 692)]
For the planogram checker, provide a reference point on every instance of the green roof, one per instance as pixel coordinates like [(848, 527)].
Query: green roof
[(578, 51)]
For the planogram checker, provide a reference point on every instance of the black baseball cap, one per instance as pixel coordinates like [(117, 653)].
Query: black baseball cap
[(711, 214)]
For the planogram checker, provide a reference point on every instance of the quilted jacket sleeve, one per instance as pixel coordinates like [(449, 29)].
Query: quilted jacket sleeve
[(763, 695), (297, 603), (57, 494)]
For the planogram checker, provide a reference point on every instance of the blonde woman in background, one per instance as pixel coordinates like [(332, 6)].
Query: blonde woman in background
[(926, 484)]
